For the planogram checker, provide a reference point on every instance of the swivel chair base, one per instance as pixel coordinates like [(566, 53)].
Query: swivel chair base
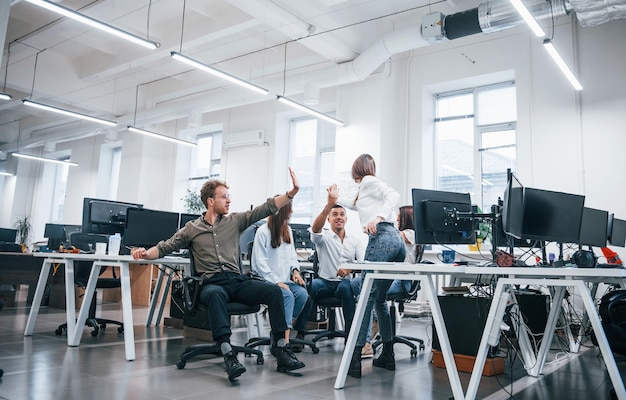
[(200, 349), (92, 321)]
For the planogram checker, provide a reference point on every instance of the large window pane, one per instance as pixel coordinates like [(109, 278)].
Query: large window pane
[(455, 146), (451, 106), (497, 106)]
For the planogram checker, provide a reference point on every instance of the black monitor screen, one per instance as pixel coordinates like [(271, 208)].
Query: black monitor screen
[(436, 220), (184, 218), (552, 216), (8, 235), (145, 228), (302, 236), (105, 216), (593, 227), (512, 207), (54, 231), (618, 233)]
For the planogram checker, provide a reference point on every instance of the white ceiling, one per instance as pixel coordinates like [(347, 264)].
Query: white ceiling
[(277, 44)]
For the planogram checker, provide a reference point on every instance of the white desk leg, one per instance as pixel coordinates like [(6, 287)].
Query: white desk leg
[(354, 332), (127, 309), (155, 298), (603, 343), (428, 285), (74, 335), (41, 288)]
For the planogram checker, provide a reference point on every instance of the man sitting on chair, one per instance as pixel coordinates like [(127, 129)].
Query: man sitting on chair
[(213, 241), (334, 247)]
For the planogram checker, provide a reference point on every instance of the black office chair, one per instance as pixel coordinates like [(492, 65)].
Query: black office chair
[(87, 242), (612, 311), (196, 316), (329, 305)]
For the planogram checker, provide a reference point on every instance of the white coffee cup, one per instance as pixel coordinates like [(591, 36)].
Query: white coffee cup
[(101, 248)]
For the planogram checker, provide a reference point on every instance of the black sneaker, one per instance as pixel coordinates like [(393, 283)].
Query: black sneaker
[(234, 369), (286, 360)]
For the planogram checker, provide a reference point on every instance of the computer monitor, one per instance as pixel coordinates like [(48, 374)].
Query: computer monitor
[(145, 227), (8, 235), (594, 227), (105, 216), (512, 206), (617, 232), (438, 217), (69, 229), (552, 216), (55, 234), (184, 218), (302, 236)]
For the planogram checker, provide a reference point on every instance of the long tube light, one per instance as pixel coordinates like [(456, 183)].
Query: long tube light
[(4, 173), (45, 159), (308, 110), (94, 23), (160, 136), (547, 44), (220, 74), (5, 96), (528, 17), (68, 113)]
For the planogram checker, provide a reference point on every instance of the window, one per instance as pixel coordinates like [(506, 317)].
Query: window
[(313, 160), (205, 160), (475, 132)]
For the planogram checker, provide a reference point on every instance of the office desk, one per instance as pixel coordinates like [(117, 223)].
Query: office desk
[(74, 327), (425, 273), (559, 279), (20, 268)]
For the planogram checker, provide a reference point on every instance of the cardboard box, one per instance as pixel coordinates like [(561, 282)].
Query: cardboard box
[(493, 366)]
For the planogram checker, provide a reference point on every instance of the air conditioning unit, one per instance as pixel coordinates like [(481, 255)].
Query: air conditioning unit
[(243, 139)]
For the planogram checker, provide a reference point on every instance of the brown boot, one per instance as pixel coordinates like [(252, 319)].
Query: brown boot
[(355, 364)]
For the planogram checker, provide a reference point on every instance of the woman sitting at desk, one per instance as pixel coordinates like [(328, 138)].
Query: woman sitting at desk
[(274, 259)]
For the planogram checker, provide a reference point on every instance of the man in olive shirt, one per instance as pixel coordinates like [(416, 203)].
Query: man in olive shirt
[(213, 241)]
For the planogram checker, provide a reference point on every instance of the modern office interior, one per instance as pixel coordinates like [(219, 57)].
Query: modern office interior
[(445, 95)]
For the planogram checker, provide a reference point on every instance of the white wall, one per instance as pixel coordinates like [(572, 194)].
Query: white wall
[(567, 141)]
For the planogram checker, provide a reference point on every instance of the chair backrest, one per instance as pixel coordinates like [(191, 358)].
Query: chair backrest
[(85, 242)]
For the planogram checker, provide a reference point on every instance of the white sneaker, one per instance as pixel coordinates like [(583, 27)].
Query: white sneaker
[(367, 351)]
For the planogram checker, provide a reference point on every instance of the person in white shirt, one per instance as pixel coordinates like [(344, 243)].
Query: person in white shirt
[(275, 260), (405, 226), (376, 204), (335, 247)]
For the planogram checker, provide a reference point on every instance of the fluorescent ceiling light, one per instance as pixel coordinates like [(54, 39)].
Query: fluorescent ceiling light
[(46, 159), (308, 110), (94, 23), (3, 173), (5, 96), (160, 136), (528, 17), (218, 73), (547, 44), (68, 113)]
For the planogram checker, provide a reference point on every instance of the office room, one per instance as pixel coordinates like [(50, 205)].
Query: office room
[(397, 76)]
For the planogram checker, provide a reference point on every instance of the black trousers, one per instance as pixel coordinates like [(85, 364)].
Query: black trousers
[(225, 287)]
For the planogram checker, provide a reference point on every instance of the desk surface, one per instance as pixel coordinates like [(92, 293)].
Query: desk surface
[(111, 258)]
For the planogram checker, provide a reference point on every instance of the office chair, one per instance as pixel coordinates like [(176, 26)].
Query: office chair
[(329, 304), (195, 315), (87, 242), (612, 311)]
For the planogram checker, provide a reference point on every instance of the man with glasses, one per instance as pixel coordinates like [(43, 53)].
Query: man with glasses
[(213, 240)]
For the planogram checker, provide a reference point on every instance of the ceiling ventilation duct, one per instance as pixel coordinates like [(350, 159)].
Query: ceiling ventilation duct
[(594, 12)]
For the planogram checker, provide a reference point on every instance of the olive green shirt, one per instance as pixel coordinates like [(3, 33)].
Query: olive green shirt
[(215, 248)]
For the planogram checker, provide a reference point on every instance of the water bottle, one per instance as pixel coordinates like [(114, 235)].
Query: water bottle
[(114, 244)]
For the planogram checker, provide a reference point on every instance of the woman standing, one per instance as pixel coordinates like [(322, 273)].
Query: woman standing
[(376, 204)]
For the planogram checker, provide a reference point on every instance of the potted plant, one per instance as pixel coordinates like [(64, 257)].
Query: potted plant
[(193, 203), (23, 227)]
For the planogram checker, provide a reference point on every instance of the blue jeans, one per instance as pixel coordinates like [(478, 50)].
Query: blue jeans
[(385, 245), (396, 287), (295, 300), (346, 289)]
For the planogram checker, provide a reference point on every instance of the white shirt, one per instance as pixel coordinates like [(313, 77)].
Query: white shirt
[(411, 248), (273, 265), (332, 252), (374, 199)]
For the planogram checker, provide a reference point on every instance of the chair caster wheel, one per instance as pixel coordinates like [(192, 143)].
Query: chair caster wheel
[(260, 361), (422, 347), (103, 326), (94, 333), (181, 364), (315, 349), (120, 330), (58, 331), (413, 353)]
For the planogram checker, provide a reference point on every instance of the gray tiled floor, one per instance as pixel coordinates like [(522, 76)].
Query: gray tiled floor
[(43, 367)]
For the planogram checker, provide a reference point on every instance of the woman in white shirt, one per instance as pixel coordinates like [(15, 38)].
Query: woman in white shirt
[(376, 204), (275, 260)]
